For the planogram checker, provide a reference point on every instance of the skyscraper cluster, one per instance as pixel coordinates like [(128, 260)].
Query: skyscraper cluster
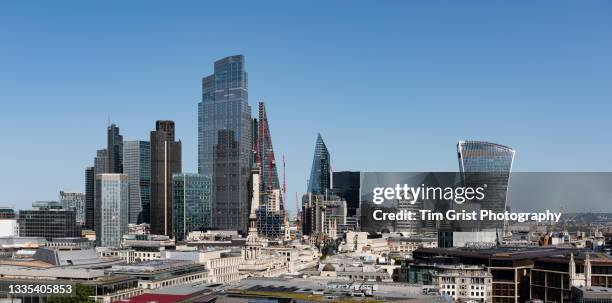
[(131, 183), (134, 182)]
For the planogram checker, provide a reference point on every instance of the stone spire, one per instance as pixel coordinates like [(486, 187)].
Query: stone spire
[(587, 270), (252, 247), (572, 270)]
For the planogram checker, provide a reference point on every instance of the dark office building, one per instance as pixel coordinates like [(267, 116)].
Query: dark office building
[(225, 144), (115, 150), (100, 167), (48, 220), (165, 161), (345, 184), (90, 192)]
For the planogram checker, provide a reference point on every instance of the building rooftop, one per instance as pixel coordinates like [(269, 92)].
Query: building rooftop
[(519, 253), (67, 257), (152, 266)]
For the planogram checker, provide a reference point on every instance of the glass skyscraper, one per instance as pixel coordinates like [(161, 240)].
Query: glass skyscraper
[(76, 202), (480, 156), (115, 150), (225, 143), (137, 166), (319, 181), (112, 209), (90, 193), (191, 203), (485, 164)]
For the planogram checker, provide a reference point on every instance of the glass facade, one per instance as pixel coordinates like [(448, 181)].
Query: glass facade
[(115, 150), (90, 193), (76, 202), (191, 203), (319, 180), (137, 166), (112, 210), (48, 220), (480, 156), (225, 141), (485, 164)]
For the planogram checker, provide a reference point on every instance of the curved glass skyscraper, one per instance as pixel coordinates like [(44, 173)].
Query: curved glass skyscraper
[(320, 179), (485, 164), (481, 156)]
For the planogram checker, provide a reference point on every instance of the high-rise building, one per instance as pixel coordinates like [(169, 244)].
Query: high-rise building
[(47, 219), (112, 209), (165, 161), (346, 184), (319, 181), (191, 203), (115, 150), (483, 164), (270, 214), (137, 166), (481, 156), (90, 193), (100, 167), (487, 163), (225, 148), (323, 214), (74, 201)]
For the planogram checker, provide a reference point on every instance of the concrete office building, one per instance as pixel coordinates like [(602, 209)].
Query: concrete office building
[(112, 209), (8, 223)]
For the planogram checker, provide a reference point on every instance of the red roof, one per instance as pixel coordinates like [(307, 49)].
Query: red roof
[(150, 298)]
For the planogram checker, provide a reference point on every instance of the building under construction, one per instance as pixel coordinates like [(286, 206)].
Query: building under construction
[(271, 212)]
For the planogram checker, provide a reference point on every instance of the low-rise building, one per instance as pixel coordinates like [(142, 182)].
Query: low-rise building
[(161, 273), (464, 283), (221, 264)]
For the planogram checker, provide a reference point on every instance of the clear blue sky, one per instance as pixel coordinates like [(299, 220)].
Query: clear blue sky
[(391, 85)]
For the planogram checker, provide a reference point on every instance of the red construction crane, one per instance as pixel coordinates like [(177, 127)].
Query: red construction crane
[(284, 191)]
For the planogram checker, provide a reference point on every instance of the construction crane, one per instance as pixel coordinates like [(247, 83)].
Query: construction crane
[(284, 191)]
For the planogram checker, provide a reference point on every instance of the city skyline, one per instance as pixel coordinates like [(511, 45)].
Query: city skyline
[(522, 81)]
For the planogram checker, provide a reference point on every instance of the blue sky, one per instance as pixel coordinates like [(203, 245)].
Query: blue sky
[(391, 85)]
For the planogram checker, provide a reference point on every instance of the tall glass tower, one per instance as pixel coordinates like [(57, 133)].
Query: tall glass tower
[(486, 164), (225, 143), (481, 156), (115, 150), (320, 180), (137, 166)]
